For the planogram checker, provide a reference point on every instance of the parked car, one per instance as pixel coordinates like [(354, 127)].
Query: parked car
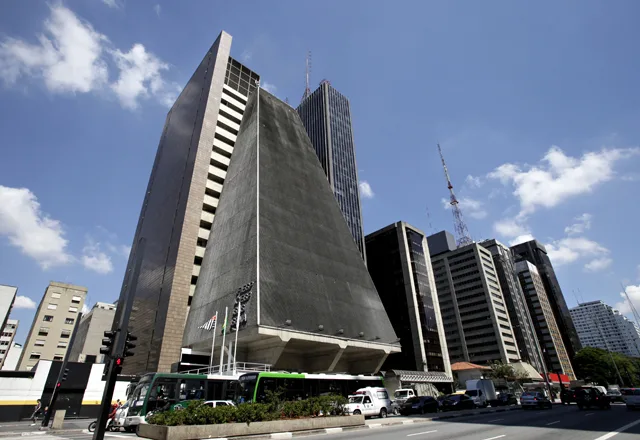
[(535, 399), (505, 399), (631, 397), (568, 396), (215, 403), (419, 405), (587, 397), (613, 391), (454, 402), (369, 402)]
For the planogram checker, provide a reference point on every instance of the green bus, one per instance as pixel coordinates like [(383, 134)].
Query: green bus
[(160, 391), (252, 387)]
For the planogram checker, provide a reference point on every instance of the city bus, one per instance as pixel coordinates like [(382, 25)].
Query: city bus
[(252, 387), (159, 391)]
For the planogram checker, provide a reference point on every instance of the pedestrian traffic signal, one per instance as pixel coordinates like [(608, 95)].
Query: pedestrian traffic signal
[(107, 342), (58, 385), (129, 345), (117, 365), (65, 374)]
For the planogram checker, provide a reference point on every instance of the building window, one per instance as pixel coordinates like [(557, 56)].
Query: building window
[(34, 356), (58, 357), (52, 306), (69, 320), (39, 343), (62, 344), (76, 300), (44, 331), (55, 295), (73, 309), (65, 334), (48, 318)]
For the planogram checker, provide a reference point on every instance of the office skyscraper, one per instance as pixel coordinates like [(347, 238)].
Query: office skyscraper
[(53, 324), (180, 203), (474, 313), (534, 252), (601, 326), (400, 266), (553, 348), (516, 303), (326, 116)]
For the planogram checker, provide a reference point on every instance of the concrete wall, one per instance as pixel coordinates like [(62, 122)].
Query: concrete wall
[(91, 331)]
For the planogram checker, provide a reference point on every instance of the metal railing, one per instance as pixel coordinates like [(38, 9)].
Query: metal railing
[(234, 368)]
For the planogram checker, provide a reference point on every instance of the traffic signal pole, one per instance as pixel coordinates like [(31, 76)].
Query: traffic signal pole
[(62, 376), (118, 348)]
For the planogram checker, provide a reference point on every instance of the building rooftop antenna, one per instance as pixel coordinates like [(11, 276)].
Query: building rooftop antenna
[(463, 237), (636, 316), (307, 90)]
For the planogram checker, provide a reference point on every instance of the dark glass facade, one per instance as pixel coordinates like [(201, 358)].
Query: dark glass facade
[(535, 253), (400, 265), (240, 78), (326, 116)]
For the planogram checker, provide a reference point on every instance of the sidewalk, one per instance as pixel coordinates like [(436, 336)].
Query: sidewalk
[(24, 428)]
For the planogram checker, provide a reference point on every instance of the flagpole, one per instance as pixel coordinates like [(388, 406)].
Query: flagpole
[(235, 347), (213, 343), (224, 333)]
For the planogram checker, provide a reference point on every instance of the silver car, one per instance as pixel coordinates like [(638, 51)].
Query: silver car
[(534, 399)]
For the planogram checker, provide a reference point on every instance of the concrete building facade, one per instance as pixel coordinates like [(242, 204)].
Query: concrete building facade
[(400, 266), (554, 352), (516, 302), (181, 202), (534, 252), (86, 346), (600, 325), (53, 324), (284, 263), (12, 357), (7, 334), (7, 297), (326, 116), (476, 321)]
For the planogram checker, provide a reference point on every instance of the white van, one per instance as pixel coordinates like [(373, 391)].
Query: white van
[(370, 401)]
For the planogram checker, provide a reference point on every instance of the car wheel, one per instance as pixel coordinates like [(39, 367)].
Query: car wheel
[(396, 411), (383, 413), (357, 412)]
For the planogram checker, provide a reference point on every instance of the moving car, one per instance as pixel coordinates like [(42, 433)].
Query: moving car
[(419, 405), (567, 396), (369, 401), (482, 391), (631, 397), (505, 399), (216, 403), (535, 399), (587, 397), (454, 402)]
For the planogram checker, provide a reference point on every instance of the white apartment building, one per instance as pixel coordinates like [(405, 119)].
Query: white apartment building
[(6, 338), (600, 325)]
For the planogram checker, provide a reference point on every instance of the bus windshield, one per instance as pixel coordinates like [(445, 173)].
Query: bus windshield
[(246, 388)]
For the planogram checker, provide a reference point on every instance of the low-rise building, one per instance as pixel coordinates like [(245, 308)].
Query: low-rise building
[(86, 346)]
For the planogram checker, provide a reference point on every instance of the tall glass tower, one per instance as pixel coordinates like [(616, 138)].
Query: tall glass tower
[(326, 116)]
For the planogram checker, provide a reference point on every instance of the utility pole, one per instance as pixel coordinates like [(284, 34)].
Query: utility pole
[(119, 348), (62, 375)]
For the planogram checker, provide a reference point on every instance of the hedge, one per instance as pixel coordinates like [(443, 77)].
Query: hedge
[(196, 413)]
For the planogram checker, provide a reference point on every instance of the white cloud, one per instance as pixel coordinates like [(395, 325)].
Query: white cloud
[(157, 8), (94, 259), (71, 57), (269, 87), (121, 249), (598, 264), (521, 239), (27, 228), (112, 4), (583, 224), (24, 302), (474, 181), (365, 190), (559, 177), (246, 55), (67, 57), (469, 207), (634, 296), (509, 227), (570, 249)]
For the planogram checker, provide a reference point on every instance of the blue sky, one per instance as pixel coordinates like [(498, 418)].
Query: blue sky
[(536, 108)]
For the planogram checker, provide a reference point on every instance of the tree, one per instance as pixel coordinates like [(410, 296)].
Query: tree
[(500, 370), (595, 365)]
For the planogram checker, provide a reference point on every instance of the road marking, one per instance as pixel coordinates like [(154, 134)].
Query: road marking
[(494, 438), (282, 435), (494, 420), (420, 433), (332, 430), (590, 414), (117, 435), (375, 425), (618, 431), (552, 423)]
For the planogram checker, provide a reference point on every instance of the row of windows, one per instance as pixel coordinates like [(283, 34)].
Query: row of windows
[(49, 318), (53, 306)]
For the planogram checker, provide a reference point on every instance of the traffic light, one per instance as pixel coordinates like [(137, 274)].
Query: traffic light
[(65, 374), (107, 342), (58, 385), (129, 345), (117, 365)]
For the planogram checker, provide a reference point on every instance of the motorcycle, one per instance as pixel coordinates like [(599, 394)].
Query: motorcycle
[(110, 426)]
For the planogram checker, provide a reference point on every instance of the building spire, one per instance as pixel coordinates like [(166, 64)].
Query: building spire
[(307, 89), (463, 237)]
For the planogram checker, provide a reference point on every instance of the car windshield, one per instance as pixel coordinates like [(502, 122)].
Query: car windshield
[(454, 397), (529, 394), (401, 394), (355, 399), (471, 393), (413, 400)]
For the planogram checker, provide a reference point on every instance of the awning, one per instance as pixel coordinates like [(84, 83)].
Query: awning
[(553, 377), (527, 370), (420, 376)]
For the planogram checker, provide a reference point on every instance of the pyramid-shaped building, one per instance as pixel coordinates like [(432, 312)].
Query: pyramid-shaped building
[(280, 247)]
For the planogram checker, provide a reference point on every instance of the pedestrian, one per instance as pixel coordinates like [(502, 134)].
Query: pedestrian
[(36, 412)]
